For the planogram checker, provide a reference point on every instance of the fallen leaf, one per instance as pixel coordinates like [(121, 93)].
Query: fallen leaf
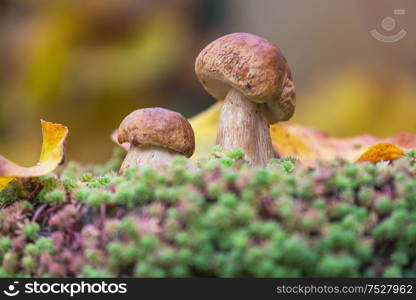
[(293, 145), (381, 151), (4, 182), (205, 128), (51, 156), (319, 146)]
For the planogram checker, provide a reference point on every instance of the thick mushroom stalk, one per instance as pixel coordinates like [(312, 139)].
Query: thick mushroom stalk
[(253, 78), (156, 136), (243, 124), (152, 156)]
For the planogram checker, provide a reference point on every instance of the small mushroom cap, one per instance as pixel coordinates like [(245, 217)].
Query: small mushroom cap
[(253, 66), (158, 127)]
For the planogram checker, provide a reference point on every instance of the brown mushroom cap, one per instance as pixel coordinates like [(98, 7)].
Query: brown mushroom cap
[(252, 65), (158, 127)]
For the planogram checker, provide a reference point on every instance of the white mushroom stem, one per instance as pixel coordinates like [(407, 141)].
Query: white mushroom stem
[(243, 124), (151, 156)]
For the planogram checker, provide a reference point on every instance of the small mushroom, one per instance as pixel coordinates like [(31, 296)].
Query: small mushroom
[(156, 136), (253, 78)]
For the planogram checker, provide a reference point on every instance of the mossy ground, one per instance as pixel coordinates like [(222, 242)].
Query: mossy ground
[(223, 219)]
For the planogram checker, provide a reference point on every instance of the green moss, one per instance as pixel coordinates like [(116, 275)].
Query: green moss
[(223, 219), (45, 245), (30, 230), (5, 244)]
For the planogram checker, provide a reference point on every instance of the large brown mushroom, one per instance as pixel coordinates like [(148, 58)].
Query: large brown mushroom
[(253, 78), (156, 136)]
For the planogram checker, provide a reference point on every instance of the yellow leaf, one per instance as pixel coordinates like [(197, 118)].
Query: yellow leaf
[(314, 145), (205, 128), (4, 182), (381, 151), (51, 156), (287, 144)]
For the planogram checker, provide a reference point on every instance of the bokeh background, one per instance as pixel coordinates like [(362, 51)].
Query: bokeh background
[(87, 64)]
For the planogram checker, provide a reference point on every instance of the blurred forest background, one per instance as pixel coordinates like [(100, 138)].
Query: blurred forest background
[(87, 64)]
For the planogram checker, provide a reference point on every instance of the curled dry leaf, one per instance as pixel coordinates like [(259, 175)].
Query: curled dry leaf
[(381, 151), (51, 156), (309, 145)]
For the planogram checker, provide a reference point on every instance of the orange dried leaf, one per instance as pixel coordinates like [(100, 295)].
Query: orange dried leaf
[(51, 156), (381, 151)]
